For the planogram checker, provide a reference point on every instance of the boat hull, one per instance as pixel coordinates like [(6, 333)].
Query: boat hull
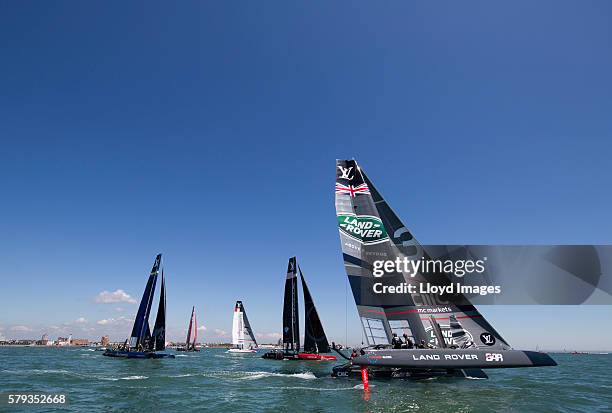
[(353, 371), (279, 355), (315, 356), (453, 359), (136, 354), (241, 351)]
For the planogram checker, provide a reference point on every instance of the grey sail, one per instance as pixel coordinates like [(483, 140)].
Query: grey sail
[(248, 331), (371, 231)]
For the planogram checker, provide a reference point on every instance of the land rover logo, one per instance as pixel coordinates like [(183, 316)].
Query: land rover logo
[(366, 229), (447, 334), (487, 339)]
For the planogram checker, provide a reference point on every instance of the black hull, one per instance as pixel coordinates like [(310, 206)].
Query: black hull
[(444, 359), (136, 354), (352, 371), (280, 355)]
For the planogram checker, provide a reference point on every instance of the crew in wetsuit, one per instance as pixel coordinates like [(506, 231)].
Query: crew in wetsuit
[(396, 342), (407, 342)]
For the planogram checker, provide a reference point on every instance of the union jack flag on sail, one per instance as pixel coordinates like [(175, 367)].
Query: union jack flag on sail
[(352, 190)]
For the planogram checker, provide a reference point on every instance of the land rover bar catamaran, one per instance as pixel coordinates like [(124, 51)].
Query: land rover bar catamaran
[(408, 335)]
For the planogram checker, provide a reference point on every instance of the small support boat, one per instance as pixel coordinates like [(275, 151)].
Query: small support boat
[(142, 344), (243, 338)]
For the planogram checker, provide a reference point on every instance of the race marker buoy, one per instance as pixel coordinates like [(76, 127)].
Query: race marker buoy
[(364, 378)]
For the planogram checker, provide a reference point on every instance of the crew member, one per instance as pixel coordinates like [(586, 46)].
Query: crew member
[(396, 342), (407, 342)]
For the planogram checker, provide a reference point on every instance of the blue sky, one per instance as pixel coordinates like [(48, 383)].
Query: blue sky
[(208, 131)]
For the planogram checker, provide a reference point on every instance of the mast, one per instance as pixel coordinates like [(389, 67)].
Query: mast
[(291, 326), (140, 331), (370, 231), (315, 340), (159, 329)]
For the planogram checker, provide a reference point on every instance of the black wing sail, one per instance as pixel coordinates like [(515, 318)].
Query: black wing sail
[(315, 340), (291, 326), (141, 330), (371, 231), (159, 330)]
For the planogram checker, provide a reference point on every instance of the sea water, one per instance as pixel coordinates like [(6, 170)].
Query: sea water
[(214, 380)]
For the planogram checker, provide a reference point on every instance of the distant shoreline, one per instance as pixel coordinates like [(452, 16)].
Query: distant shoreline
[(222, 346)]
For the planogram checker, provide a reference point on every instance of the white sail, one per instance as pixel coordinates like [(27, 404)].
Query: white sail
[(242, 335), (237, 330)]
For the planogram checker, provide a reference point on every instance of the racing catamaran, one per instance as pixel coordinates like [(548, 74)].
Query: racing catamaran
[(243, 338), (441, 337), (315, 341), (192, 333), (143, 344)]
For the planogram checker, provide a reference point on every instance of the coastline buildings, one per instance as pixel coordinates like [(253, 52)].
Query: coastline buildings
[(105, 341), (44, 341), (64, 341)]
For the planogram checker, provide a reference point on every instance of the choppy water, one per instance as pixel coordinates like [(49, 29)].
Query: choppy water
[(217, 381)]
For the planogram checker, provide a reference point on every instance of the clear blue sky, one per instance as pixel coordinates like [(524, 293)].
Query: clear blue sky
[(208, 131)]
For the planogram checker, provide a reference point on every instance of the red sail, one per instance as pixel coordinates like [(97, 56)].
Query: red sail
[(190, 327)]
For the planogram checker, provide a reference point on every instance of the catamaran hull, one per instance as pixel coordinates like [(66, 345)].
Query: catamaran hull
[(314, 356), (279, 355), (136, 354), (241, 351), (353, 371), (453, 359)]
